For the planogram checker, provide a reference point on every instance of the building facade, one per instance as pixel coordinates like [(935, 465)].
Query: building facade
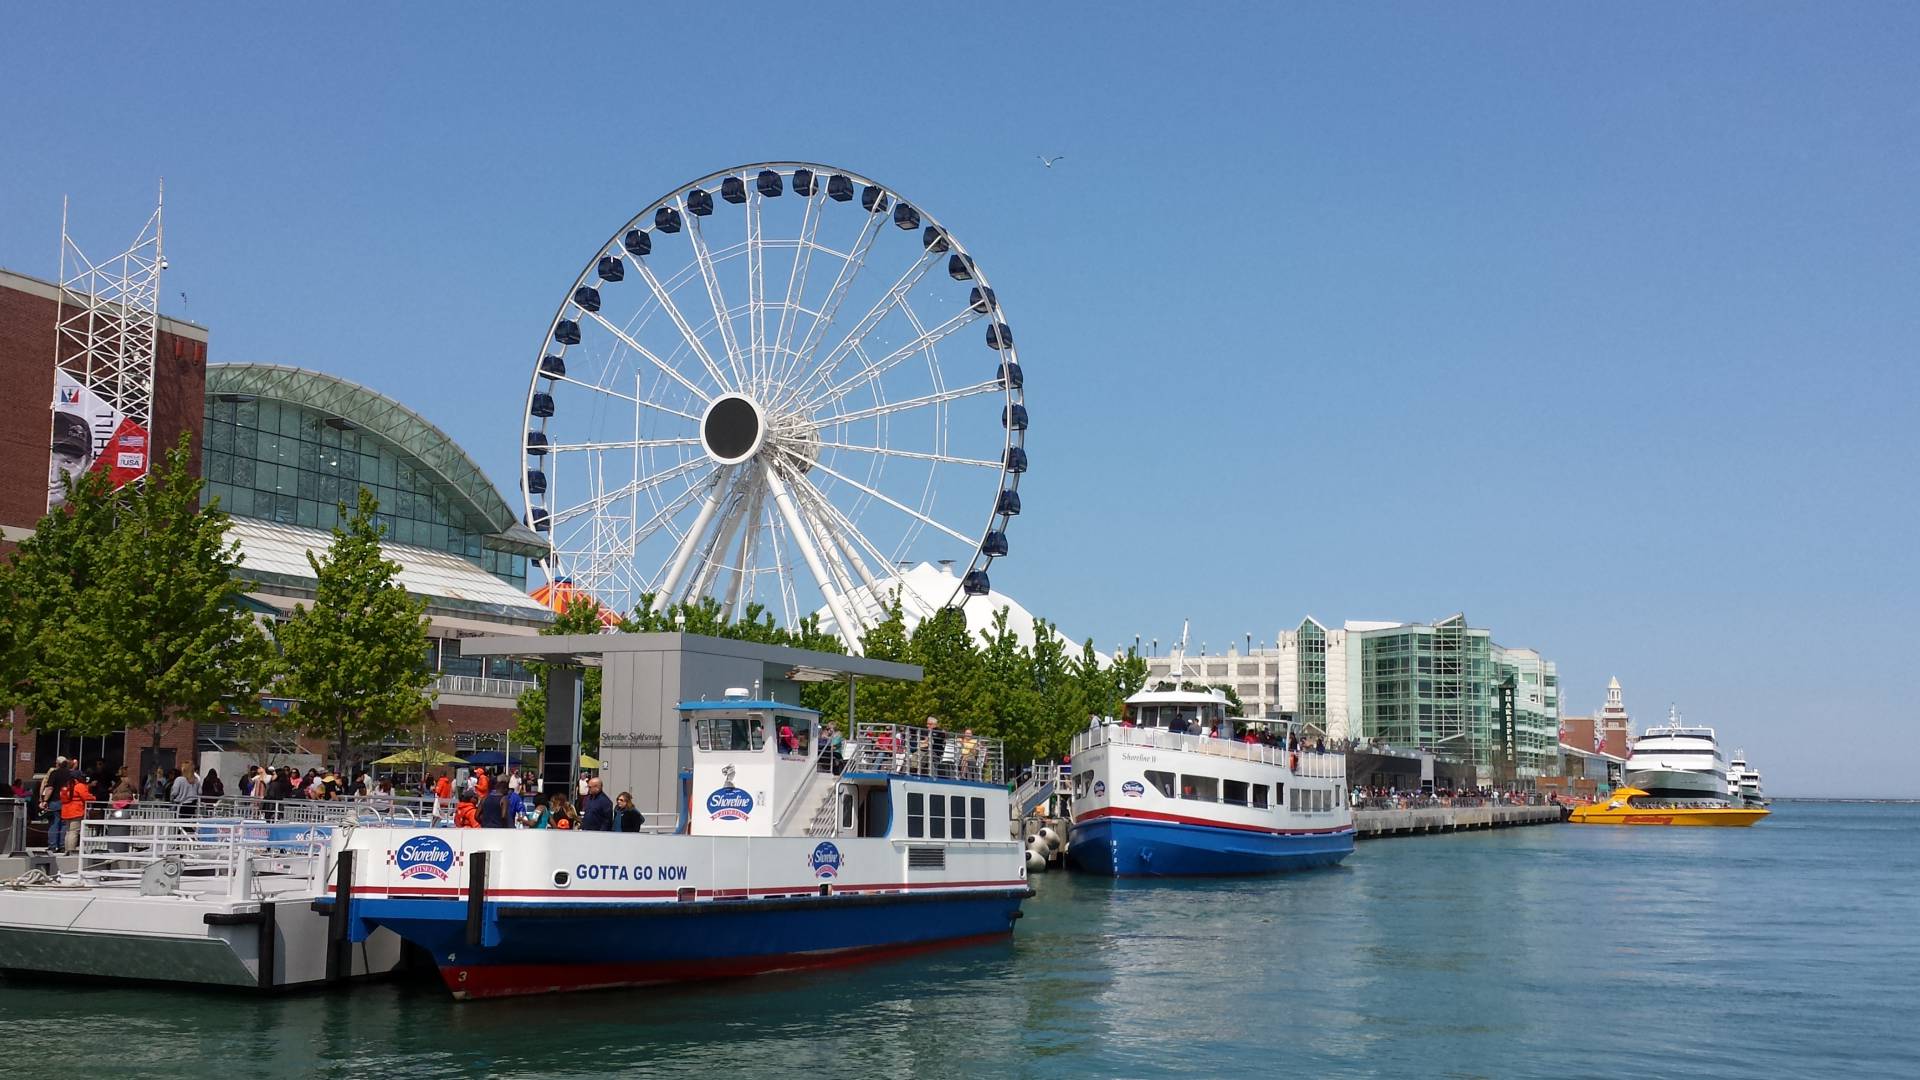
[(1436, 686)]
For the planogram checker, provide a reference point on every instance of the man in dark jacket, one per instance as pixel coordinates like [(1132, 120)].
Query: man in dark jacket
[(493, 809), (57, 782), (596, 810)]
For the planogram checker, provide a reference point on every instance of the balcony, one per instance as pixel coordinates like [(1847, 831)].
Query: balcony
[(480, 686)]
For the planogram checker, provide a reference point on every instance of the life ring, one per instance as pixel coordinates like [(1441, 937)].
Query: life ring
[(1294, 763)]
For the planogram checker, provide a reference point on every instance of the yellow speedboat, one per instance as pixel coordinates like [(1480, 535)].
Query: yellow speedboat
[(1631, 806)]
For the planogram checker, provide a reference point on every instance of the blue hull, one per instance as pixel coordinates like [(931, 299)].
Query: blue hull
[(529, 949), (1130, 847)]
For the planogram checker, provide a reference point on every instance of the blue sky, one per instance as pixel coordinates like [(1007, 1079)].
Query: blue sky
[(1596, 324)]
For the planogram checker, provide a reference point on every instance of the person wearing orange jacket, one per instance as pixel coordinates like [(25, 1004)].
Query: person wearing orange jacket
[(73, 807), (467, 814), (481, 785), (442, 797)]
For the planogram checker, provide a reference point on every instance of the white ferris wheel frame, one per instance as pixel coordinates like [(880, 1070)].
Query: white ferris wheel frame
[(767, 488)]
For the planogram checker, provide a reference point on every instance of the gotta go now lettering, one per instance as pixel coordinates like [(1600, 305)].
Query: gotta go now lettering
[(612, 872)]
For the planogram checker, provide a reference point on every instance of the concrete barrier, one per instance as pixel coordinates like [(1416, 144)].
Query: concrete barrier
[(1371, 824)]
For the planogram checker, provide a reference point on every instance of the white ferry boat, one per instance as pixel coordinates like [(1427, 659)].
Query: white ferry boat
[(1176, 788), (1678, 761), (784, 856), (1743, 782)]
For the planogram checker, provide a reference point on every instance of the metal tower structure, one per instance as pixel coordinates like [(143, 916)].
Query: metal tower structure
[(108, 325)]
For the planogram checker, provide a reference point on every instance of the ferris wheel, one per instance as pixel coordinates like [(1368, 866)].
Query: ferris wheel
[(781, 384)]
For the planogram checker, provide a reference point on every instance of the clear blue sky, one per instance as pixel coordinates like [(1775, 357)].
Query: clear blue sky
[(1598, 324)]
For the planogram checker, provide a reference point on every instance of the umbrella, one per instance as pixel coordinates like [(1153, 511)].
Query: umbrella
[(419, 757), (588, 761), (562, 594)]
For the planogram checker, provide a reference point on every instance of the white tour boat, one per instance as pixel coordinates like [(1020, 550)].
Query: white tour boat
[(1177, 787), (1676, 761), (785, 855)]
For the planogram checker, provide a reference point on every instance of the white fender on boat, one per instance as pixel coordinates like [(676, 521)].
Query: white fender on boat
[(1050, 838), (1036, 862)]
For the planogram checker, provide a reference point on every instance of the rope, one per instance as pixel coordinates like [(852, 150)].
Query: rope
[(39, 878)]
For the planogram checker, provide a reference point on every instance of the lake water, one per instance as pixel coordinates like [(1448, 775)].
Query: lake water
[(1788, 949)]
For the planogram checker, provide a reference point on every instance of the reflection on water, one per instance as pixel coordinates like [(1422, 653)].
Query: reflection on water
[(1788, 948)]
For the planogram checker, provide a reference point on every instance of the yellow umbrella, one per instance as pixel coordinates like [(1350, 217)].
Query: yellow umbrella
[(420, 757), (588, 761)]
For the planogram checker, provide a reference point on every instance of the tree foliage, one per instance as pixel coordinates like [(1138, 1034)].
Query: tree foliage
[(125, 609), (353, 660)]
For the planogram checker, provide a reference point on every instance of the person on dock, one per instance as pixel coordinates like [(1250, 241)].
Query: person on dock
[(73, 808), (466, 815), (442, 795), (494, 812), (627, 818), (125, 794), (54, 792), (596, 810)]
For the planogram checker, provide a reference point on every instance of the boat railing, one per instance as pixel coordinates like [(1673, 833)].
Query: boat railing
[(1043, 780), (1308, 763), (934, 752), (240, 859)]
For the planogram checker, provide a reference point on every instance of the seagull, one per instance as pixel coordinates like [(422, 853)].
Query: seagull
[(1048, 161)]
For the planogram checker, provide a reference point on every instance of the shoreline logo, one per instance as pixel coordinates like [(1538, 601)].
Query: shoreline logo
[(825, 860), (729, 804), (1133, 789), (424, 857), (1099, 788)]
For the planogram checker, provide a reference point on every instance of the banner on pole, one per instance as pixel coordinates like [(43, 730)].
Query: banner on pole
[(90, 435)]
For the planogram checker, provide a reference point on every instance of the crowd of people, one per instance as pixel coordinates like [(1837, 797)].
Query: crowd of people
[(481, 801)]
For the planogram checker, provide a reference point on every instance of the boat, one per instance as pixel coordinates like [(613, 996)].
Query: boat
[(1677, 761), (1743, 782), (787, 854), (1633, 806), (1177, 787)]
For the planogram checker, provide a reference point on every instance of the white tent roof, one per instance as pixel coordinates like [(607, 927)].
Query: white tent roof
[(276, 554), (926, 589)]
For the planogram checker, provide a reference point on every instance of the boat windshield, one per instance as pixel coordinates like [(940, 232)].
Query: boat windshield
[(1178, 717), (730, 732)]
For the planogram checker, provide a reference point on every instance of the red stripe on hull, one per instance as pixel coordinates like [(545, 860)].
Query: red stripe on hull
[(512, 980), (457, 891), (1181, 819)]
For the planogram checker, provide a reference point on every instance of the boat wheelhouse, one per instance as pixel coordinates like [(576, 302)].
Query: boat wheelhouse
[(1177, 787), (1678, 761), (788, 852)]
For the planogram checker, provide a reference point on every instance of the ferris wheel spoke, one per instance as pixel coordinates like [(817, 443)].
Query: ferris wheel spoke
[(873, 369), (602, 501), (622, 444), (945, 459), (722, 539), (895, 503), (721, 317), (889, 301), (991, 386), (850, 269), (671, 371), (796, 283), (797, 529), (849, 535), (756, 291), (665, 299)]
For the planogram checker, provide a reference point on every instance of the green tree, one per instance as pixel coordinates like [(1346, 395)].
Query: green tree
[(128, 611), (353, 660)]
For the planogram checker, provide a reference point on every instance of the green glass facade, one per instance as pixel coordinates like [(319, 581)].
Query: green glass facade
[(1310, 669), (285, 462)]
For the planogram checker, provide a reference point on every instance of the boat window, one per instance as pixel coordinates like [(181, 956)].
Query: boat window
[(1163, 781), (1260, 796), (1199, 788), (1234, 791), (916, 815), (1293, 801), (937, 817), (847, 805), (730, 732), (795, 733), (979, 819), (959, 829)]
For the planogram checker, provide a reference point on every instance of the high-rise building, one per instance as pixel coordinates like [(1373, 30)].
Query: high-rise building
[(1433, 685)]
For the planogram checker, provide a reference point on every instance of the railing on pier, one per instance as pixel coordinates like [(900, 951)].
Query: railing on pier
[(1307, 763), (242, 859), (918, 751), (1043, 780)]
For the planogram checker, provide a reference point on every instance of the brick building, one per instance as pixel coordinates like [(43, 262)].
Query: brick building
[(280, 447)]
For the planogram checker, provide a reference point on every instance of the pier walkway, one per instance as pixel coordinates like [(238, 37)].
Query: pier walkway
[(1372, 824)]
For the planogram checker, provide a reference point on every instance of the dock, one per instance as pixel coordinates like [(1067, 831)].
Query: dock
[(1371, 824)]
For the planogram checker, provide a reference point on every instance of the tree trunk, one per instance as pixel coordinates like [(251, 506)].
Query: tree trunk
[(340, 748)]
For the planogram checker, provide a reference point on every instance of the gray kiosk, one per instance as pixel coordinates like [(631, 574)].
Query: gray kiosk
[(644, 747)]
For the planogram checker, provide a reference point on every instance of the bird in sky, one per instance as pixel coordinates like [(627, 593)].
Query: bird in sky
[(1048, 161)]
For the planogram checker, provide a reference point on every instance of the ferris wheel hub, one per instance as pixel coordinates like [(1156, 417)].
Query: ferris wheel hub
[(732, 429)]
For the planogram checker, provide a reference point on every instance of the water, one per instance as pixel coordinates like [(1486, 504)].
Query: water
[(1788, 949)]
